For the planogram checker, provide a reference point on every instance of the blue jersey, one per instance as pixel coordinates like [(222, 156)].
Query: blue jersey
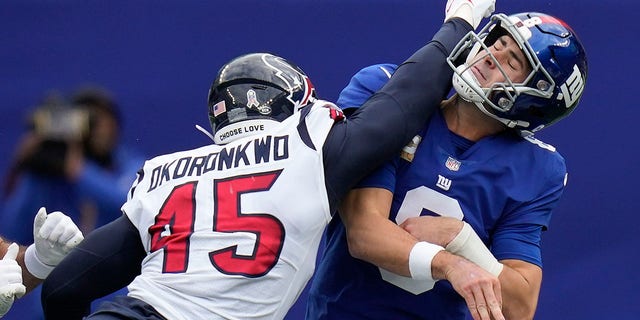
[(503, 185)]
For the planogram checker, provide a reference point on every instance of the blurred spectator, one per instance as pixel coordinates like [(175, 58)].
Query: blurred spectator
[(70, 158)]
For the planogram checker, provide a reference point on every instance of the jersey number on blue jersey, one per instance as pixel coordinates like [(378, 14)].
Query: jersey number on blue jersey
[(414, 202), (174, 225)]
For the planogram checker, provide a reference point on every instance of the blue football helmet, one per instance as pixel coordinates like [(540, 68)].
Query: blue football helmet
[(255, 90), (550, 92)]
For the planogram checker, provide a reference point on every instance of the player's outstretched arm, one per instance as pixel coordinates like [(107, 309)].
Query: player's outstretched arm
[(406, 102), (383, 125)]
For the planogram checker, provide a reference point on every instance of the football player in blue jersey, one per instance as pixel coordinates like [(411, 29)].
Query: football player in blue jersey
[(473, 188)]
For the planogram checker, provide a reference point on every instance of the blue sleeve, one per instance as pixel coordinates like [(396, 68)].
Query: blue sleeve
[(519, 231), (101, 264), (363, 85), (521, 242), (391, 117)]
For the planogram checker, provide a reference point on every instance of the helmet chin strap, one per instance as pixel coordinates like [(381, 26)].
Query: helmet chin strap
[(509, 123), (206, 132), (466, 85)]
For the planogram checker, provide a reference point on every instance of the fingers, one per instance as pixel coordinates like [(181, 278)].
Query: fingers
[(56, 227), (43, 227), (12, 252), (484, 302), (490, 10), (11, 274), (495, 302), (74, 241), (496, 311), (16, 289), (480, 304), (39, 220)]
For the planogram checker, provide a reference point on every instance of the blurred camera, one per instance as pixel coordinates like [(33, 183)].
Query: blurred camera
[(57, 125), (61, 122)]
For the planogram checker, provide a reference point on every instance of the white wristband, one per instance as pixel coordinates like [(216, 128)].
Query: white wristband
[(420, 260), (36, 267), (467, 244)]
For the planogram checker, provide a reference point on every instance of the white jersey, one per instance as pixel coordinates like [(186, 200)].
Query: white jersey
[(232, 230)]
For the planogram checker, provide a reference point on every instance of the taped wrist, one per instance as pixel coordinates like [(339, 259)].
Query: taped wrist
[(420, 259), (36, 267), (467, 244)]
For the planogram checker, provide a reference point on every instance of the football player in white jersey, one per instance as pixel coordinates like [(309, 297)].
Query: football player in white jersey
[(23, 268), (231, 230)]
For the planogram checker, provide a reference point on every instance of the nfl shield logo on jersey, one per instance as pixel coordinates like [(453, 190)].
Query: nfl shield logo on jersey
[(452, 164)]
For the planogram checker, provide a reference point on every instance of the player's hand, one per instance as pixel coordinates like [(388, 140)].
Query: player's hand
[(11, 286), (480, 289), (436, 230), (470, 10), (54, 236)]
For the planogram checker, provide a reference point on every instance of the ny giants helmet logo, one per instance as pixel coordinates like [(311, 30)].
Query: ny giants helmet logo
[(572, 88), (574, 85)]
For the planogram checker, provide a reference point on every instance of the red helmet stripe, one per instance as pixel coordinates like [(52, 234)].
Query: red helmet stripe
[(553, 20), (308, 89)]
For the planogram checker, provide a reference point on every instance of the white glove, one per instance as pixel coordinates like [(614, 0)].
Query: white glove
[(11, 286), (470, 10), (54, 236)]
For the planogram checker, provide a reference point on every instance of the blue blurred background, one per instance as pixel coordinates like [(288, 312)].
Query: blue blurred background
[(159, 57)]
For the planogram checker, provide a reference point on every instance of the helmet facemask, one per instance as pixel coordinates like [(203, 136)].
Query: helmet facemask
[(497, 100)]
